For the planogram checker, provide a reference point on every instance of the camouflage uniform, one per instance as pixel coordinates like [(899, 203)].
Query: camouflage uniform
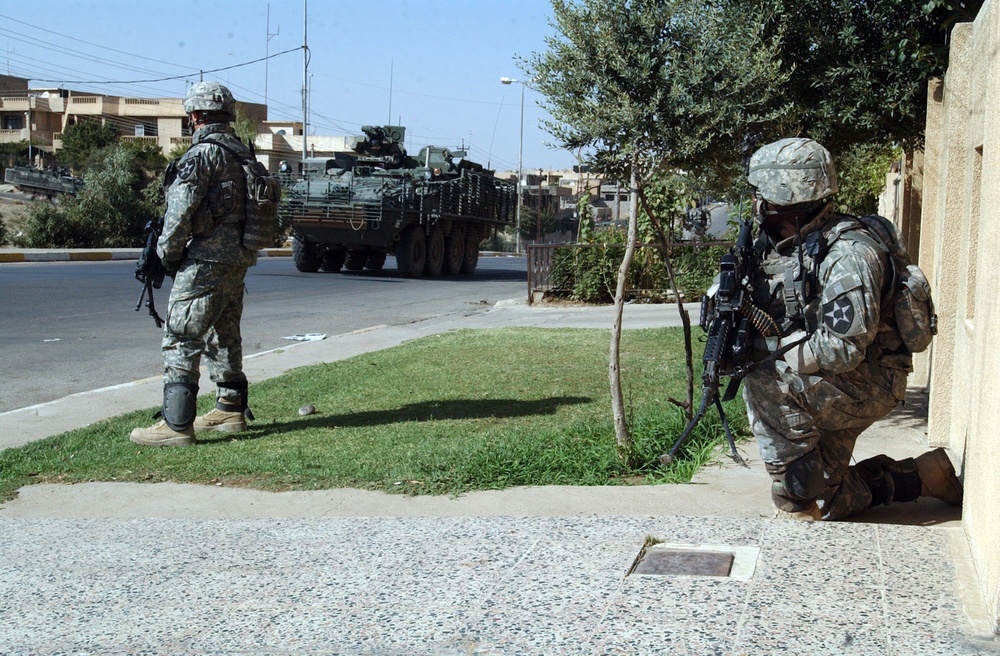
[(202, 233), (840, 364), (807, 411)]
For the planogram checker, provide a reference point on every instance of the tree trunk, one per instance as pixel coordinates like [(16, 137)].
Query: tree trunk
[(666, 243), (622, 436)]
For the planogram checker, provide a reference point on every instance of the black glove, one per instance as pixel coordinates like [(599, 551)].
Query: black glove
[(171, 267)]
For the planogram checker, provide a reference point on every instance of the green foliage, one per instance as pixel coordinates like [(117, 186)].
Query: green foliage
[(589, 273), (677, 81), (859, 68), (122, 194), (244, 127), (4, 236), (177, 151), (83, 139), (46, 226), (481, 410), (549, 223), (13, 153), (683, 81), (861, 175)]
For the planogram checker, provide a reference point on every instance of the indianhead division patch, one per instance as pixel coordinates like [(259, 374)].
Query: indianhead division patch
[(838, 315)]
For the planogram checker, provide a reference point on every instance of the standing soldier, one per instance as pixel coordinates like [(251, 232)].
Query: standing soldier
[(844, 357), (202, 248)]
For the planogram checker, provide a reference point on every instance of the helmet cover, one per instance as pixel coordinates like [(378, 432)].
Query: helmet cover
[(791, 171), (210, 97)]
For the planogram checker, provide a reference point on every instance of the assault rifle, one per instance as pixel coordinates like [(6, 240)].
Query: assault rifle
[(730, 319), (149, 269)]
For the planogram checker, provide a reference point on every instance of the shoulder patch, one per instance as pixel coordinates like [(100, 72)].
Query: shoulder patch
[(838, 314), (188, 168)]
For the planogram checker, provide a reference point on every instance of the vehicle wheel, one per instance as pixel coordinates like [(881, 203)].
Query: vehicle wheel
[(304, 256), (471, 259), (411, 252), (356, 260), (375, 261), (333, 260), (454, 253), (435, 253)]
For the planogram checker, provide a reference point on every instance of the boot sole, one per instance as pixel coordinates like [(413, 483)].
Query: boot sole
[(221, 428), (173, 441)]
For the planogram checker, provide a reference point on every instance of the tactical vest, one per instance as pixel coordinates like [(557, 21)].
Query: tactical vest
[(906, 310), (262, 193)]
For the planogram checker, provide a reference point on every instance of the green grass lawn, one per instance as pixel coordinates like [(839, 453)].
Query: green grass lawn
[(461, 411)]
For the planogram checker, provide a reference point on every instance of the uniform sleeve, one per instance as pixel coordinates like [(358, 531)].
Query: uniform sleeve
[(847, 314), (195, 173)]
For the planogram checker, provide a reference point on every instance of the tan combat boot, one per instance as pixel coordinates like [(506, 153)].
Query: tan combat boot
[(159, 434), (938, 478), (225, 421), (810, 513)]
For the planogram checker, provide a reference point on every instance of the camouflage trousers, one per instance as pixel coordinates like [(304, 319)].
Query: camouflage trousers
[(806, 427), (203, 319)]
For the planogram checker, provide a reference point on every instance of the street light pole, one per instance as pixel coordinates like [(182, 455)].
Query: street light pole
[(520, 164)]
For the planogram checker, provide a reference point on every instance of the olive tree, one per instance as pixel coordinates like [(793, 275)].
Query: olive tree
[(83, 139), (646, 86), (858, 69)]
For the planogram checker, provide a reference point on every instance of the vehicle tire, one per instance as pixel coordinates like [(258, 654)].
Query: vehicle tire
[(411, 252), (435, 253), (304, 255), (375, 261), (454, 253), (333, 260), (356, 260), (471, 259)]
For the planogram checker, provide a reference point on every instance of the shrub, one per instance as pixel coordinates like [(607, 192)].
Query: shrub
[(589, 273)]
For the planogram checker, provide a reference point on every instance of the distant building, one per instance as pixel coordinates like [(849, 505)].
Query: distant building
[(39, 117)]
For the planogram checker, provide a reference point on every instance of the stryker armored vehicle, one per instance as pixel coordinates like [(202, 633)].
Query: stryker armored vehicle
[(39, 182), (431, 211)]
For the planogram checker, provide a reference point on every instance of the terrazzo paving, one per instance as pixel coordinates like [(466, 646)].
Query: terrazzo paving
[(475, 585)]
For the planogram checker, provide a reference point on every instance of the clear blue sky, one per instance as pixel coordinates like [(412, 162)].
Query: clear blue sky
[(442, 60)]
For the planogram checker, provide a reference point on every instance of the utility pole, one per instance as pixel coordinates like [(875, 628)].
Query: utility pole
[(267, 47), (538, 210), (305, 80)]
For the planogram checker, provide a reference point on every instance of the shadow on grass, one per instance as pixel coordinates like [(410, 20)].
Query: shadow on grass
[(412, 412)]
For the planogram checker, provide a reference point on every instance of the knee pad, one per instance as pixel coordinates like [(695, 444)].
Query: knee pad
[(801, 481), (180, 401)]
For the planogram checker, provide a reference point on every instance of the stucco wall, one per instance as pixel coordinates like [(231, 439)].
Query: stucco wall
[(959, 250)]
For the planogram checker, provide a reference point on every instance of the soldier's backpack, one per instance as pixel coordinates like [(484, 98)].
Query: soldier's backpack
[(263, 194), (907, 291)]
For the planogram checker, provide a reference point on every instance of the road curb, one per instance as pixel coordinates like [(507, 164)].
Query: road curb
[(87, 255)]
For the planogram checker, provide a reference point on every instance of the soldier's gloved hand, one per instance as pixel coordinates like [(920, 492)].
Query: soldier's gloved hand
[(171, 267), (799, 357)]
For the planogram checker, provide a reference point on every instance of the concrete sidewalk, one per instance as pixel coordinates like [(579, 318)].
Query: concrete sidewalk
[(185, 569)]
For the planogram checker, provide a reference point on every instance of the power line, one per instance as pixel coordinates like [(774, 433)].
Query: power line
[(173, 77)]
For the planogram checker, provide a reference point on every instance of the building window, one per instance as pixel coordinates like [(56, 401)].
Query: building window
[(145, 130), (13, 122)]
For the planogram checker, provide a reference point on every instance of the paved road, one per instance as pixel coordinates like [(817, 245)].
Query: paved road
[(67, 327)]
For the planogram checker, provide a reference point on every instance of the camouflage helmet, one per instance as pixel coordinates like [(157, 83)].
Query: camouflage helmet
[(210, 97), (791, 171)]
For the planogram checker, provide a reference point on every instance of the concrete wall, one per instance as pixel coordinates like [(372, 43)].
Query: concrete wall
[(959, 247)]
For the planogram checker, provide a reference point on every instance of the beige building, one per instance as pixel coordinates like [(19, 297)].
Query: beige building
[(39, 116), (955, 230)]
